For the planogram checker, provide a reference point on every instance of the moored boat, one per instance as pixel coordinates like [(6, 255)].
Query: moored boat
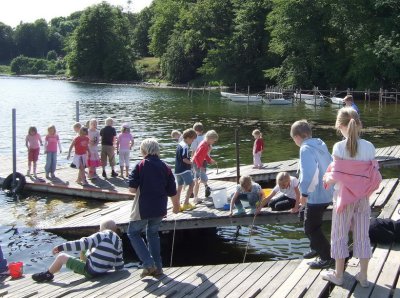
[(310, 99), (275, 98), (337, 100)]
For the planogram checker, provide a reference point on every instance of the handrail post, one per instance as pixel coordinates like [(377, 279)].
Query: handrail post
[(77, 111), (237, 155), (14, 147)]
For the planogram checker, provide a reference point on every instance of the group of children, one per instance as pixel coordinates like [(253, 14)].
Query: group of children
[(86, 147)]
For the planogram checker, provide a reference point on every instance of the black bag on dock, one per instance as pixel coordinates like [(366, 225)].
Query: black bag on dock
[(384, 231)]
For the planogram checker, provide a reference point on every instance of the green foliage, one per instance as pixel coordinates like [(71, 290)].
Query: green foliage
[(51, 55), (26, 65), (148, 67), (31, 38), (100, 46), (5, 69), (7, 45), (140, 34)]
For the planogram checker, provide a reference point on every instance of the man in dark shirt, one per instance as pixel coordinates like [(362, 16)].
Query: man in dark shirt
[(108, 135)]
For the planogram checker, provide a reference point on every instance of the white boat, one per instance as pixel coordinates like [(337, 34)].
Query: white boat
[(245, 98), (226, 94), (275, 98), (309, 99), (337, 100)]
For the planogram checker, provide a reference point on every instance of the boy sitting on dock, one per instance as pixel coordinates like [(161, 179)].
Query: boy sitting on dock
[(249, 191), (183, 167), (284, 196), (314, 160), (104, 253)]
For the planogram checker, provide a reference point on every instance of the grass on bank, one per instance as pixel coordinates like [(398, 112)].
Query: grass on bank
[(149, 68)]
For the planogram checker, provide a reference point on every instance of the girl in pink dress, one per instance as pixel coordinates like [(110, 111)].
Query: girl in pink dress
[(124, 146), (51, 142), (94, 159)]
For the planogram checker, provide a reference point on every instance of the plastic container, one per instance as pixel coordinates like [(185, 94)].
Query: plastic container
[(220, 197), (267, 191), (16, 269)]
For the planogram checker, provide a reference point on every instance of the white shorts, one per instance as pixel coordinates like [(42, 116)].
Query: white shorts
[(80, 160), (124, 158)]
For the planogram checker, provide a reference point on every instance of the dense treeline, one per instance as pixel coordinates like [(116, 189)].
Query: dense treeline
[(301, 43)]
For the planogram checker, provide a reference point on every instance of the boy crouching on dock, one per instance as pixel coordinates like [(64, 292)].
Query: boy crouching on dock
[(249, 191), (104, 253)]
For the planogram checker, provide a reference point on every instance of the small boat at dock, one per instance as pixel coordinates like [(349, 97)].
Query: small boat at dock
[(275, 98), (337, 100), (311, 99), (237, 97)]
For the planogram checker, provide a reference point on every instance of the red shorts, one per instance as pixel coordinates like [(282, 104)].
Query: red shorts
[(33, 154)]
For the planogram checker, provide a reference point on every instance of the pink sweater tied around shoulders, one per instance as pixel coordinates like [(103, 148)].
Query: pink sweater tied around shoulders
[(358, 179)]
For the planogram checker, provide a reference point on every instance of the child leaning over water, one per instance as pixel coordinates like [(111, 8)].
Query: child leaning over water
[(249, 191), (284, 196), (258, 148), (50, 148), (32, 142), (81, 145)]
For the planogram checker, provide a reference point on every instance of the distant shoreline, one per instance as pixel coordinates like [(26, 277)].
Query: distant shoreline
[(142, 84)]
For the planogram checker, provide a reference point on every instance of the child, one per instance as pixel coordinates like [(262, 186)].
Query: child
[(349, 102), (199, 129), (258, 148), (355, 173), (51, 141), (176, 135), (81, 144), (183, 167), (104, 254), (94, 159), (200, 156), (287, 188), (76, 127), (249, 191), (152, 182), (108, 135), (314, 160), (32, 142), (125, 143)]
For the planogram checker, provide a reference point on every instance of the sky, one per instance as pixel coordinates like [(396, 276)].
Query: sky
[(12, 12)]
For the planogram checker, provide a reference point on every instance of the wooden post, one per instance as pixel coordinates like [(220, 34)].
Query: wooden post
[(380, 95), (14, 147), (235, 87), (300, 95), (188, 88), (365, 96), (237, 155), (369, 94), (204, 88), (77, 111), (248, 94), (209, 90), (315, 96)]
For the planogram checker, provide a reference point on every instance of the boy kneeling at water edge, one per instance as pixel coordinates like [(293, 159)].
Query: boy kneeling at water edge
[(104, 253), (249, 191)]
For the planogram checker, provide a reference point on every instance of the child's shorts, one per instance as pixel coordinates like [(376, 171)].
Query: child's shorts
[(33, 154), (124, 158), (199, 174), (80, 160), (186, 178), (78, 266)]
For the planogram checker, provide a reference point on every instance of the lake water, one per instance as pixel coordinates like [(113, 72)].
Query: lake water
[(154, 113)]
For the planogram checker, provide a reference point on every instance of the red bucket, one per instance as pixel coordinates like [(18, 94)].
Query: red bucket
[(16, 269)]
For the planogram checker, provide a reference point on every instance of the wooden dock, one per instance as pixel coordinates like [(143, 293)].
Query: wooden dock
[(288, 278), (115, 189), (386, 156), (204, 216)]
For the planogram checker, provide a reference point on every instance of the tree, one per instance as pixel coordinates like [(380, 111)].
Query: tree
[(32, 38), (100, 48), (7, 45), (141, 39)]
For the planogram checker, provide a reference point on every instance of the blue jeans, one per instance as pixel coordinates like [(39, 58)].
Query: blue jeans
[(51, 162), (150, 255), (252, 198)]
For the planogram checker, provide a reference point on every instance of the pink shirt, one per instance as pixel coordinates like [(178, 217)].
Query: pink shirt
[(124, 140), (52, 142), (33, 141)]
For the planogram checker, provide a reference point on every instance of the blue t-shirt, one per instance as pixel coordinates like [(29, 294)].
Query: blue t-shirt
[(182, 152)]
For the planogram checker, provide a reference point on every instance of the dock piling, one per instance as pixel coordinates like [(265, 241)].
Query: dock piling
[(14, 147), (237, 155), (77, 111)]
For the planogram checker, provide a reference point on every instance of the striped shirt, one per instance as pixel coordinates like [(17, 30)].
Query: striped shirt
[(105, 251)]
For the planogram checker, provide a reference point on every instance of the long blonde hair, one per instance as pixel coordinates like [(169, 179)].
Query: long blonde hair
[(348, 117)]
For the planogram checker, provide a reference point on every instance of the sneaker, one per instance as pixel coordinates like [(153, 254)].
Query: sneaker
[(48, 176), (363, 282), (252, 211), (158, 272), (114, 174), (72, 165), (240, 211), (43, 276), (52, 176), (187, 207), (331, 277), (321, 264), (207, 191), (310, 254), (104, 174), (148, 272)]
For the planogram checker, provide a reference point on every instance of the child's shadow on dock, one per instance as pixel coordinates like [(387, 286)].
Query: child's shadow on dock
[(169, 287)]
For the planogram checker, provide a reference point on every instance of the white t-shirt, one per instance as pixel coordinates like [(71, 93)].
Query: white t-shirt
[(196, 143), (290, 191), (365, 151)]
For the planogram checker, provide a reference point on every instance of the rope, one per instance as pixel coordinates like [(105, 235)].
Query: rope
[(173, 244), (248, 240)]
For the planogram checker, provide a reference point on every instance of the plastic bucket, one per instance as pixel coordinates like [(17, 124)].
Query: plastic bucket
[(220, 197), (16, 269), (267, 191)]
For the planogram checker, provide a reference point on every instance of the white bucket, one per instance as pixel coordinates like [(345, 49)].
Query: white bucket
[(220, 197)]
